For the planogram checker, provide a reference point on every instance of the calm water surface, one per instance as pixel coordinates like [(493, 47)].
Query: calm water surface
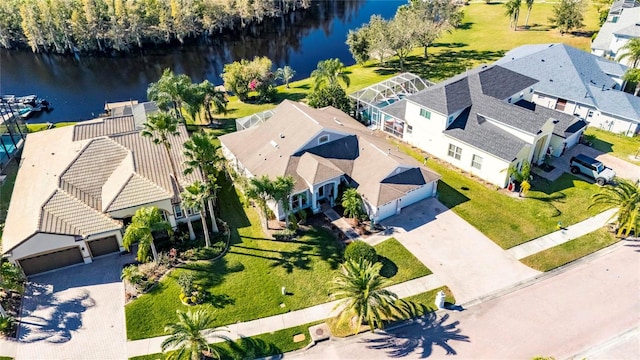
[(78, 89)]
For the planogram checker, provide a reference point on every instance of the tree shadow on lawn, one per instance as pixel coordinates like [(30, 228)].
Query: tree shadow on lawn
[(289, 260), (246, 348), (389, 268), (442, 65), (231, 209), (449, 196), (211, 273)]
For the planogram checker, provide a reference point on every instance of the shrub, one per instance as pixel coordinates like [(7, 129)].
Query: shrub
[(7, 325), (186, 283), (284, 235), (360, 250)]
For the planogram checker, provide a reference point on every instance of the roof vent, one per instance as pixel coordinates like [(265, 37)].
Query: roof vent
[(542, 60), (337, 121), (281, 136), (274, 144)]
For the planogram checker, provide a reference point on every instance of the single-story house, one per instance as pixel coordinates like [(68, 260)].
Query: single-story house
[(622, 25), (76, 186), (480, 122), (576, 82), (322, 148)]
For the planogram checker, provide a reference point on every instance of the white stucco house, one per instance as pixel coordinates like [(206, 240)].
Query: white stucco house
[(622, 25), (322, 148), (76, 185), (481, 123), (576, 82)]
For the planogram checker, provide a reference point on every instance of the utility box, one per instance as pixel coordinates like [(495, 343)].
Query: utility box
[(440, 299)]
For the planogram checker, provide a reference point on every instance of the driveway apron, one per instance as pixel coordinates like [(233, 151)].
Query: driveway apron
[(461, 256), (75, 313)]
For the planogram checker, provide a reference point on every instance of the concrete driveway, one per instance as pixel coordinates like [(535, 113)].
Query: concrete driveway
[(75, 313), (461, 256), (623, 169)]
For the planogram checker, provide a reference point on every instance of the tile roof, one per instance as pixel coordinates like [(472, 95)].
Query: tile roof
[(357, 154), (90, 168)]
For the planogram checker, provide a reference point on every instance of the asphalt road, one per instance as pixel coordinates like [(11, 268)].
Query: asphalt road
[(562, 316)]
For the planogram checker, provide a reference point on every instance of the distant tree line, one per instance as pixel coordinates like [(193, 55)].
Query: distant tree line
[(68, 26)]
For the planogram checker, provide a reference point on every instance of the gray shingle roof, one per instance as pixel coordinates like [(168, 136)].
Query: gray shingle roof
[(566, 124)]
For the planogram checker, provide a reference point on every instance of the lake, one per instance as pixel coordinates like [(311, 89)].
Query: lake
[(79, 88)]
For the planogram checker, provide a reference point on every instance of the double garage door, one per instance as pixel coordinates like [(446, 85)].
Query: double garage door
[(66, 257)]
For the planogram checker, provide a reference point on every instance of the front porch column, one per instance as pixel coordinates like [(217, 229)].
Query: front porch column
[(334, 196), (315, 208)]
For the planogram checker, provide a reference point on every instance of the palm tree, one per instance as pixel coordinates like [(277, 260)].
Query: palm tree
[(329, 71), (144, 223), (632, 75), (194, 196), (170, 91), (160, 127), (631, 51), (190, 335), (626, 197), (286, 74), (352, 203), (261, 190), (282, 189), (131, 274), (513, 12), (362, 288), (213, 97), (529, 4), (202, 153)]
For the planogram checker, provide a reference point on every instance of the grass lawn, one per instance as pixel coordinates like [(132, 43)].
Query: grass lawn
[(620, 146), (246, 283), (572, 250), (508, 220), (398, 263), (277, 342)]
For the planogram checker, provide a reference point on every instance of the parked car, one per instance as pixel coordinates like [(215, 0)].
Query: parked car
[(582, 164)]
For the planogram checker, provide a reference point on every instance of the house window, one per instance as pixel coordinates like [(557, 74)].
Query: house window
[(476, 162), (323, 139), (590, 113), (561, 104), (321, 191), (425, 114), (409, 129), (455, 152), (177, 211)]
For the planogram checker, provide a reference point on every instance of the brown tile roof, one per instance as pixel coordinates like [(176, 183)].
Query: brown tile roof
[(358, 154), (90, 168)]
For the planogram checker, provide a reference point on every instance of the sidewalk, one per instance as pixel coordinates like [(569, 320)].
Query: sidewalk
[(562, 236), (287, 320)]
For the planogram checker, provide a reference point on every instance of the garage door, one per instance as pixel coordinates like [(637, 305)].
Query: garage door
[(103, 246), (52, 260)]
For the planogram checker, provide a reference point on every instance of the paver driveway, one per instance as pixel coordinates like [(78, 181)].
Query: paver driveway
[(461, 256), (75, 313)]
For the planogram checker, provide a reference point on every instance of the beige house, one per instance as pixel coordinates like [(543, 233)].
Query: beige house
[(76, 185), (322, 148)]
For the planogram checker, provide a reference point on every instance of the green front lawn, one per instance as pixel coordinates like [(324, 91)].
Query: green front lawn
[(621, 146), (572, 250), (509, 220), (398, 263), (246, 283)]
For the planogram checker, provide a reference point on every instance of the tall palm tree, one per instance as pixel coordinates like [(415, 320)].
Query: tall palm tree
[(160, 127), (213, 97), (144, 223), (282, 189), (286, 74), (203, 154), (352, 203), (631, 51), (170, 91), (261, 190), (513, 12), (626, 197), (529, 4), (329, 71), (195, 196), (190, 335), (362, 288)]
